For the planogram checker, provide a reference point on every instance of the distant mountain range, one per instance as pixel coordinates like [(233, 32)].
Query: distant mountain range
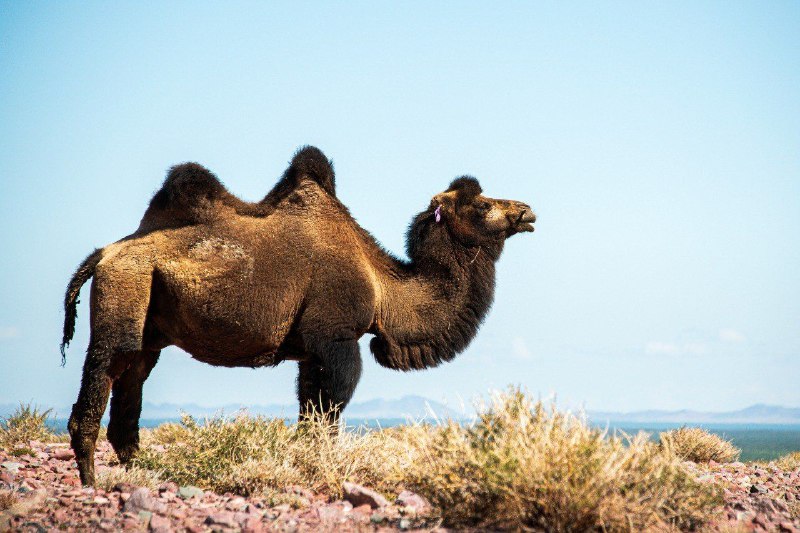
[(418, 407), (755, 414), (413, 407)]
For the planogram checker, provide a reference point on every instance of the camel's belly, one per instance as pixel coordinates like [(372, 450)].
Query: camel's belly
[(218, 305)]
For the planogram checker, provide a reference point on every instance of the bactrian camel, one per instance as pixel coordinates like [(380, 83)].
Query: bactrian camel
[(293, 277)]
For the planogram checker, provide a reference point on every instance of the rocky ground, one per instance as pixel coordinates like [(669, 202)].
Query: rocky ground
[(47, 496)]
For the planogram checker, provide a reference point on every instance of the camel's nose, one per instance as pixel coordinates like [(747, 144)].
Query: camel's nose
[(527, 214), (521, 217)]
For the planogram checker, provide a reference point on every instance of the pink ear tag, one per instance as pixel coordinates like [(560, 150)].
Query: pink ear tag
[(438, 213)]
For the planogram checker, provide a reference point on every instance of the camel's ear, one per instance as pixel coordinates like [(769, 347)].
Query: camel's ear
[(466, 189)]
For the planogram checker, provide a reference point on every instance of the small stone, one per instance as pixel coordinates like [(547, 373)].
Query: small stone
[(414, 501), (236, 504), (758, 489), (130, 523), (100, 500), (222, 518), (141, 500), (405, 523), (282, 508), (329, 513), (377, 518), (169, 486), (145, 516), (358, 495), (252, 525), (190, 491), (64, 454), (11, 466), (160, 523)]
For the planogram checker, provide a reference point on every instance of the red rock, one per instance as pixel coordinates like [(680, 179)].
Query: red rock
[(130, 523), (71, 481), (142, 500), (160, 523), (169, 486), (358, 495), (330, 514), (64, 454), (414, 501), (222, 518), (251, 524)]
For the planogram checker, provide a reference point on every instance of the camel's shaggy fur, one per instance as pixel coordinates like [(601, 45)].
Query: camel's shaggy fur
[(293, 278)]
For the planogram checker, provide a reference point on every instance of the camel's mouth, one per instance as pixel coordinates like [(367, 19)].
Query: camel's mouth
[(524, 221), (523, 227)]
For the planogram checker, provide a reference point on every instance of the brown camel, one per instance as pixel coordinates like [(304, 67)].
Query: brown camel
[(238, 285)]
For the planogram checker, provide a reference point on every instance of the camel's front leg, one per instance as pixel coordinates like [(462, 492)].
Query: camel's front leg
[(327, 381)]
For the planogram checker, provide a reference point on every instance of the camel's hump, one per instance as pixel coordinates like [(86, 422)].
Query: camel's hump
[(191, 192), (310, 162)]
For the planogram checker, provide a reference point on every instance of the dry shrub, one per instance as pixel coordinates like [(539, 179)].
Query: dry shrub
[(519, 465), (27, 423), (251, 455), (522, 465), (699, 446), (790, 461), (139, 477)]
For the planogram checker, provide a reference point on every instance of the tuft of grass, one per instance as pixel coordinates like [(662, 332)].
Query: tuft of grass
[(7, 499), (699, 446), (27, 423), (790, 461), (256, 455), (519, 465), (139, 477), (524, 466)]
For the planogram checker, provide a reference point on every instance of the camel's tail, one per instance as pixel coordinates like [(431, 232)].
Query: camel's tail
[(81, 276)]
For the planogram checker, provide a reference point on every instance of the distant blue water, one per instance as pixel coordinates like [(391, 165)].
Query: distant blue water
[(757, 441)]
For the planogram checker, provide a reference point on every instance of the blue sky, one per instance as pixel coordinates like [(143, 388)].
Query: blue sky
[(658, 143)]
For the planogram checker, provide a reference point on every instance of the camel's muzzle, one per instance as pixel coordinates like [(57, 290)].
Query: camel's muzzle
[(523, 220)]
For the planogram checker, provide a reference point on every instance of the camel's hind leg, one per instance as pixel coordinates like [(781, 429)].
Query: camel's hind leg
[(99, 370), (126, 405), (119, 302)]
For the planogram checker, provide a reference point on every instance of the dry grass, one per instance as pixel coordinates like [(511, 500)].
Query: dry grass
[(523, 465), (251, 455), (7, 499), (790, 461), (699, 446), (519, 465), (27, 423), (139, 477)]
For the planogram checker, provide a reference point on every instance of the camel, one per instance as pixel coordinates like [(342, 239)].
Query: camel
[(298, 280)]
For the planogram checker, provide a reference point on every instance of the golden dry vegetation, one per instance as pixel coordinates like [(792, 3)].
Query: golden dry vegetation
[(520, 464)]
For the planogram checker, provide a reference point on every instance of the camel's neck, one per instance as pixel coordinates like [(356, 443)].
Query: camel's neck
[(433, 311)]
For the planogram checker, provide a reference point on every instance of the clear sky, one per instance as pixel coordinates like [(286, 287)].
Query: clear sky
[(659, 144)]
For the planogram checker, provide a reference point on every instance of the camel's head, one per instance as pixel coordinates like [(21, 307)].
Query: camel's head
[(475, 218)]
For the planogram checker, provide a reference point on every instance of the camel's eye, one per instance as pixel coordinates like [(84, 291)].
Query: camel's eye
[(483, 206)]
